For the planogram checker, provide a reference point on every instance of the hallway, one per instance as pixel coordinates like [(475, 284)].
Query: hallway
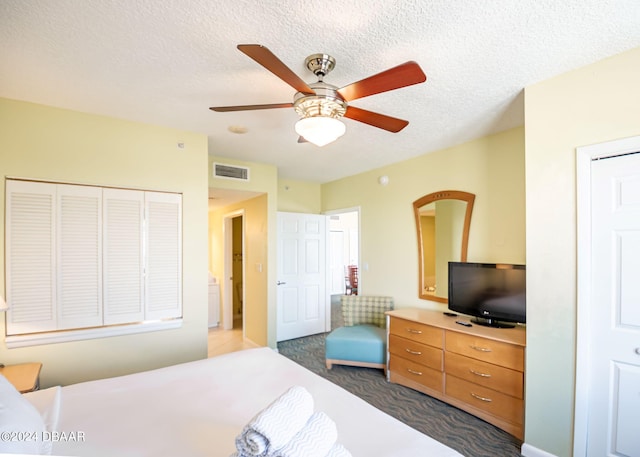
[(223, 341)]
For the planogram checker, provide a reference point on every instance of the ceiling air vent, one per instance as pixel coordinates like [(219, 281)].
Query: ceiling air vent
[(221, 170)]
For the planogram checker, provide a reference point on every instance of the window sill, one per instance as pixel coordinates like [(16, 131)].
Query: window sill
[(63, 336)]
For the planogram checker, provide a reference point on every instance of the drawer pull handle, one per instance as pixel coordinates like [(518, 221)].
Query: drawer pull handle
[(479, 348), (488, 400), (419, 373), (411, 330), (413, 352), (484, 375)]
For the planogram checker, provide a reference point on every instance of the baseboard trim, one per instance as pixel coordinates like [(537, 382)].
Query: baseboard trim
[(528, 450)]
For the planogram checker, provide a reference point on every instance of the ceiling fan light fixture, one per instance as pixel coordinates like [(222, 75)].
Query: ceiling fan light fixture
[(320, 114), (320, 105), (320, 130)]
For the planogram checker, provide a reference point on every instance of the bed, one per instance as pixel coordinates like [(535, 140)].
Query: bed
[(198, 408)]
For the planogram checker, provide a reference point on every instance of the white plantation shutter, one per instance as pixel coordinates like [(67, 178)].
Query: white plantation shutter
[(85, 256), (30, 257), (79, 271), (123, 256), (163, 292)]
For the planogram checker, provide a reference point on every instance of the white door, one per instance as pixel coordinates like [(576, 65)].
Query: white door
[(303, 299), (614, 360)]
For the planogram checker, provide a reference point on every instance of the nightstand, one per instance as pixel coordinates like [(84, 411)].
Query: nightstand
[(24, 376)]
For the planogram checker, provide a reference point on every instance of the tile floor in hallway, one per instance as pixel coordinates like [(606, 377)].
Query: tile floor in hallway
[(223, 341)]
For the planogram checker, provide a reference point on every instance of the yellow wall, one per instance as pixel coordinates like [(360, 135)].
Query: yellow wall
[(591, 105), (491, 167), (299, 196), (47, 143)]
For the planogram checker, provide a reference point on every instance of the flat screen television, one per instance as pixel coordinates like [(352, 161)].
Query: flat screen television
[(494, 294)]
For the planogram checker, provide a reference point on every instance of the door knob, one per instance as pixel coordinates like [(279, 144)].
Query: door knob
[(637, 351), (281, 282)]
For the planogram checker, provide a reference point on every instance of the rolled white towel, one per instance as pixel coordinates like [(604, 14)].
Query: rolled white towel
[(314, 440), (338, 450), (276, 425)]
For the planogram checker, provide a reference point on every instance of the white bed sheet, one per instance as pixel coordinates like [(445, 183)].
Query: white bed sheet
[(198, 408)]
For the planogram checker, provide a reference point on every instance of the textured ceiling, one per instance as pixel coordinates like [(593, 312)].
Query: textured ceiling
[(166, 61)]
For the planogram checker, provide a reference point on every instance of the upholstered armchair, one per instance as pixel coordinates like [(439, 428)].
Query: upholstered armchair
[(363, 339)]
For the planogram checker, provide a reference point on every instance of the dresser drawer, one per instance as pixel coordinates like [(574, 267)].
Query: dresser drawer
[(416, 352), (494, 377), (415, 331), (501, 405), (495, 352), (426, 376)]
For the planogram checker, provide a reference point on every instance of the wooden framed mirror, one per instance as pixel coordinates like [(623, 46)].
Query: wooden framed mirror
[(442, 223)]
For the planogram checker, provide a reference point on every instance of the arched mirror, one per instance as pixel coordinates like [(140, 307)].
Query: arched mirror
[(442, 222)]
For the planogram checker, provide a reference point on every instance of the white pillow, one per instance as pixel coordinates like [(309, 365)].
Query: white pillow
[(21, 426)]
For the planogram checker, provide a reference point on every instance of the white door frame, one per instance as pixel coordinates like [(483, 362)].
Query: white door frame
[(227, 289), (585, 155)]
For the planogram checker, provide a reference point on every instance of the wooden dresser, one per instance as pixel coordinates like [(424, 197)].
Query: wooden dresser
[(477, 369)]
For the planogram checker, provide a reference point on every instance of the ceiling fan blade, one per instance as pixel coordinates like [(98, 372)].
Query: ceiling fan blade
[(403, 75), (224, 109), (382, 121), (269, 61)]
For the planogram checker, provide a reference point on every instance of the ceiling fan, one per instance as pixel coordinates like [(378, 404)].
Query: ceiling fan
[(320, 105)]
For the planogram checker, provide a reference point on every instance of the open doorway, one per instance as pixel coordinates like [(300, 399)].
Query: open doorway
[(237, 279), (232, 214), (344, 248), (344, 252), (233, 301)]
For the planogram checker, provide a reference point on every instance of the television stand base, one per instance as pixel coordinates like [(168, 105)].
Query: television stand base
[(492, 322)]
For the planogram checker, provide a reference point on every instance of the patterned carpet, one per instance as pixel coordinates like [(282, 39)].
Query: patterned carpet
[(463, 432)]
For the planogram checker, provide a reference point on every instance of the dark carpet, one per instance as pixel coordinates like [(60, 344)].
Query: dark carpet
[(467, 434)]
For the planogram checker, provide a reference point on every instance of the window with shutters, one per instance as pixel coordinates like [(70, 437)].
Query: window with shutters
[(86, 257)]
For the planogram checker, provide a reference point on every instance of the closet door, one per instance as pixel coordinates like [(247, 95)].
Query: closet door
[(163, 291), (614, 355), (30, 257), (123, 273), (79, 252), (83, 256)]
